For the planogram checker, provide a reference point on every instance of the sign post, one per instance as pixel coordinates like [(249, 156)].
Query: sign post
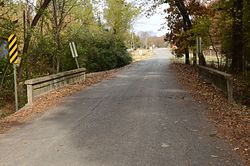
[(13, 55), (15, 84), (200, 45), (210, 50), (74, 52)]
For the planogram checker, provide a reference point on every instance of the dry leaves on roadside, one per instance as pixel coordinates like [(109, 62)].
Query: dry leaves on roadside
[(43, 103), (232, 121)]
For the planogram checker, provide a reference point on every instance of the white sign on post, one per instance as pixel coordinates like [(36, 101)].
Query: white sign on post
[(72, 49), (140, 52), (74, 52)]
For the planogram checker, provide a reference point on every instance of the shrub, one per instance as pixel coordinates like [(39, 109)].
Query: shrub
[(102, 51)]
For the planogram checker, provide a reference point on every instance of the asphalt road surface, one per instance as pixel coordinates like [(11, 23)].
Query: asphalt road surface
[(140, 117)]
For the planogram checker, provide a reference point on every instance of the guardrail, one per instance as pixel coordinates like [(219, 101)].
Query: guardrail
[(221, 80), (42, 85)]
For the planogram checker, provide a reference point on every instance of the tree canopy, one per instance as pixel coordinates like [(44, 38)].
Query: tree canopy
[(44, 28)]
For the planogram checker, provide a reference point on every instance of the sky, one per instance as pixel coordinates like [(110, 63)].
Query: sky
[(150, 24), (153, 23)]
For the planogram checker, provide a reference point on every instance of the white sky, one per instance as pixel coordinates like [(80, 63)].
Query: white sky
[(153, 23)]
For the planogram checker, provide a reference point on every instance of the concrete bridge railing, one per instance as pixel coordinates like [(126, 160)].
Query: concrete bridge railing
[(221, 80), (42, 85)]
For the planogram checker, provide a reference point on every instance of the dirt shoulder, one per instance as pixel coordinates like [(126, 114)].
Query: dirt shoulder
[(232, 121), (141, 54)]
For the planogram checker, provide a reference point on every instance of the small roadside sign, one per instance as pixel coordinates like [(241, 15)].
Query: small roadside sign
[(13, 55), (13, 49), (73, 49), (140, 52), (74, 53)]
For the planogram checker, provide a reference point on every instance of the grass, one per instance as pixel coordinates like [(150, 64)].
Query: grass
[(138, 57), (210, 59)]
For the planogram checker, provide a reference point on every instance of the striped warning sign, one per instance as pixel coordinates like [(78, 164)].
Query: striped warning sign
[(13, 51)]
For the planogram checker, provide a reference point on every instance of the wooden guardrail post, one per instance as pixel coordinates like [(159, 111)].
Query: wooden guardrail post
[(230, 90), (30, 94)]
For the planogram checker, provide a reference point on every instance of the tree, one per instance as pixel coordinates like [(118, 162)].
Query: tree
[(119, 16), (237, 36), (180, 23), (234, 32), (28, 36), (246, 34), (61, 10), (44, 30), (144, 36)]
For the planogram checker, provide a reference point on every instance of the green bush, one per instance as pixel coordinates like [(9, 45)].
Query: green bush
[(6, 81), (102, 51)]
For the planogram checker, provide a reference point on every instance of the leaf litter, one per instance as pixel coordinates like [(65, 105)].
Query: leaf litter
[(53, 98), (232, 120)]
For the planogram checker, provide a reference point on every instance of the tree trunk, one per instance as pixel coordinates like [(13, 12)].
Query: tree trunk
[(58, 18), (187, 61), (202, 60), (29, 35), (194, 58), (237, 38), (183, 10), (187, 25), (215, 50)]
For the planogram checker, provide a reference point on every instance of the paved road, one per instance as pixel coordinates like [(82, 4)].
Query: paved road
[(141, 117)]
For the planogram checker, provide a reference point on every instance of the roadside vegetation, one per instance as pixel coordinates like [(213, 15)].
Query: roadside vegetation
[(223, 26), (231, 120), (101, 31)]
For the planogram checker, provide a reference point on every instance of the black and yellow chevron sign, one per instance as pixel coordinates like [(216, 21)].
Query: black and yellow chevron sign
[(13, 52)]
